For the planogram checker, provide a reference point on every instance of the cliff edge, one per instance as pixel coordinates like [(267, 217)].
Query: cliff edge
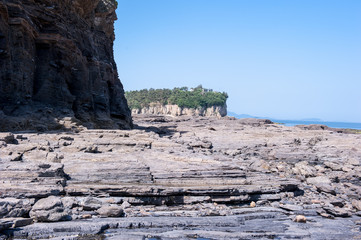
[(57, 65)]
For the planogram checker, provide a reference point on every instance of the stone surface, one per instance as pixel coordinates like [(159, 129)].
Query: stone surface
[(176, 177), (57, 66)]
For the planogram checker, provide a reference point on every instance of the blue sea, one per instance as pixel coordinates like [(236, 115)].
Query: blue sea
[(291, 123), (329, 124)]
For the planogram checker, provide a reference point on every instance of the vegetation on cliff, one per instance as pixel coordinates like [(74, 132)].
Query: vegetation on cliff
[(183, 97)]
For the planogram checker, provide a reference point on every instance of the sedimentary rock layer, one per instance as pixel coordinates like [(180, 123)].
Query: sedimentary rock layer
[(56, 59), (179, 178), (175, 110)]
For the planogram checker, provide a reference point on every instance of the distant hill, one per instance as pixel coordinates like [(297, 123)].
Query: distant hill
[(232, 114)]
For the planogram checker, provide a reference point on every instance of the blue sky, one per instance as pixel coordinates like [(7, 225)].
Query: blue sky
[(286, 59)]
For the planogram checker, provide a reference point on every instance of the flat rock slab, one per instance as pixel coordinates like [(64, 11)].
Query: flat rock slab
[(250, 226), (181, 178)]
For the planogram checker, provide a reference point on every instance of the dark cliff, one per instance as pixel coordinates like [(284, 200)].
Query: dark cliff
[(56, 62)]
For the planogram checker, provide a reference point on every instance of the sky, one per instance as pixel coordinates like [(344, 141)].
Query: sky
[(284, 59)]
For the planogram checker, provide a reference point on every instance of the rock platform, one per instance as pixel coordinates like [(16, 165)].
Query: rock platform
[(182, 178)]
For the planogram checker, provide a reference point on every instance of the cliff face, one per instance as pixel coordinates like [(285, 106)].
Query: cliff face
[(175, 110), (56, 59)]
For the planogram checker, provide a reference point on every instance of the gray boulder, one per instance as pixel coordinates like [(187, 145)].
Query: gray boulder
[(49, 209), (110, 211)]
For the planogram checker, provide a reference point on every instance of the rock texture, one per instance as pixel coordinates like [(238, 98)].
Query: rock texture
[(182, 178), (57, 65), (175, 110)]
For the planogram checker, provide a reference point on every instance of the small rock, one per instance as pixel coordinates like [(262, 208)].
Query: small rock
[(90, 203), (5, 224), (253, 204), (21, 222), (126, 204), (326, 215), (92, 150), (9, 138), (315, 201), (110, 211), (300, 219), (327, 188), (337, 212), (318, 180), (356, 204), (337, 203), (303, 169), (49, 209)]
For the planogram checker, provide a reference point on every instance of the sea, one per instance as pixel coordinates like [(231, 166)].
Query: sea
[(329, 124), (290, 123)]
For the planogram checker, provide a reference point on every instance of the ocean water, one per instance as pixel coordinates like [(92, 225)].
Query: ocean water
[(291, 123), (329, 124)]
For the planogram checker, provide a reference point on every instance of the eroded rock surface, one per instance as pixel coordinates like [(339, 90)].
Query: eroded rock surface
[(57, 65), (185, 177), (175, 110)]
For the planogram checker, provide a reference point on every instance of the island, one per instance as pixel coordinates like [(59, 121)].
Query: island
[(196, 101)]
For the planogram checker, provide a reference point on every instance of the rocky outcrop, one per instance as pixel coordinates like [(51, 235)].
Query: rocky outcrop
[(175, 110), (182, 177), (56, 59)]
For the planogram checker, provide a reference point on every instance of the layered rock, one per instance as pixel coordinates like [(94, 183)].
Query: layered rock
[(175, 110), (172, 178), (57, 61)]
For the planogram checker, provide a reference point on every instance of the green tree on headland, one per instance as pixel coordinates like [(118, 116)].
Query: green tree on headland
[(183, 97)]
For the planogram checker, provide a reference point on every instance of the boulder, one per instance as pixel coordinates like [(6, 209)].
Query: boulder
[(303, 169), (110, 211), (49, 209), (91, 203)]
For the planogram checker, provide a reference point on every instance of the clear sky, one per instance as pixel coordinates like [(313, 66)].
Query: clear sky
[(286, 59)]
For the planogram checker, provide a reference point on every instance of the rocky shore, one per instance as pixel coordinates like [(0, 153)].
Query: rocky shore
[(181, 178)]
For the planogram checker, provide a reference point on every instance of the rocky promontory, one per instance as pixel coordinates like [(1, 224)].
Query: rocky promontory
[(175, 110), (181, 178), (57, 65)]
